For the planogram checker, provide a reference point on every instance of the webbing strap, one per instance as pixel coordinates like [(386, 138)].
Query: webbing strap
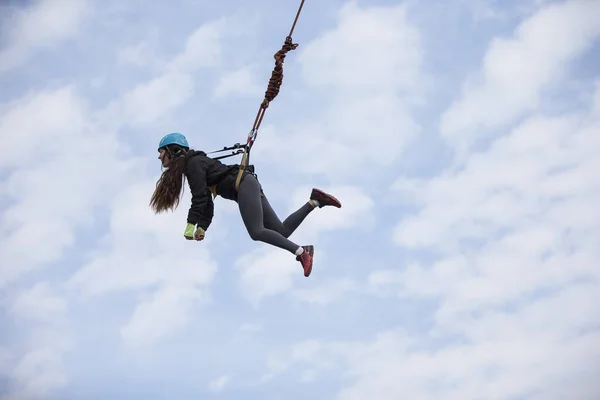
[(241, 170)]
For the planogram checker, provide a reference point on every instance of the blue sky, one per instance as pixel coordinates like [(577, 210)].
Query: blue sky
[(461, 137)]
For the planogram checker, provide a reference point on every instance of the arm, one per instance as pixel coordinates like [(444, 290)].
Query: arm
[(202, 207)]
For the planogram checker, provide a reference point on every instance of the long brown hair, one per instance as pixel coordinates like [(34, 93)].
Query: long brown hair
[(170, 184)]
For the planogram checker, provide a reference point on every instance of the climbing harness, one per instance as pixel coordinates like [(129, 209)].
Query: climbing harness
[(270, 94)]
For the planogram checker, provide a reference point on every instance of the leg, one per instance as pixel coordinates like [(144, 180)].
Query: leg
[(249, 201), (287, 227), (318, 198)]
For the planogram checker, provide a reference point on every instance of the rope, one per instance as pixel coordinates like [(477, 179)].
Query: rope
[(277, 74), (272, 91), (275, 81)]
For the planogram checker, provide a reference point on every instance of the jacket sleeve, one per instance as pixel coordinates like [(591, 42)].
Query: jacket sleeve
[(202, 208)]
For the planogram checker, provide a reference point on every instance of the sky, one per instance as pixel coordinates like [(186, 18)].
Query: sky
[(462, 138)]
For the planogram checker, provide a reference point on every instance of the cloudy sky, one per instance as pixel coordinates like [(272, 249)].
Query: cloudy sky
[(462, 138)]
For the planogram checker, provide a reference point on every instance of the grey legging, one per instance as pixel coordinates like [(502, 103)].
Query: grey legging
[(262, 222)]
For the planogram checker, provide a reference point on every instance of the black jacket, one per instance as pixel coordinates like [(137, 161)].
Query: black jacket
[(203, 172)]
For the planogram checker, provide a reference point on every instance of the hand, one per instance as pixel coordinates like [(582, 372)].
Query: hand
[(189, 231), (199, 235)]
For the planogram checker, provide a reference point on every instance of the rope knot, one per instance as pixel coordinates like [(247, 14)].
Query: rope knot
[(288, 45), (277, 75), (276, 79)]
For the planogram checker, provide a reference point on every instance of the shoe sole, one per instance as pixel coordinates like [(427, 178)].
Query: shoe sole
[(321, 193), (311, 251)]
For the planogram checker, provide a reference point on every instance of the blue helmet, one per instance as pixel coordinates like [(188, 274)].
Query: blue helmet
[(174, 138)]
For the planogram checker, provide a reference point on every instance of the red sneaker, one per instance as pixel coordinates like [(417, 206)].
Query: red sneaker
[(306, 259), (324, 199)]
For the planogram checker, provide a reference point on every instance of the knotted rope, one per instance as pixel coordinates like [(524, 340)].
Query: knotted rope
[(275, 81), (272, 91)]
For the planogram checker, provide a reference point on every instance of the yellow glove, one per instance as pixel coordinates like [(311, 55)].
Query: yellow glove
[(190, 235), (189, 231)]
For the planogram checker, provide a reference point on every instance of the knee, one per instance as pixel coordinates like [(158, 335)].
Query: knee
[(255, 234), (286, 233), (281, 229)]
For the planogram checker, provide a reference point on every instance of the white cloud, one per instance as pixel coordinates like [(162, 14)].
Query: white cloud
[(141, 54), (313, 356), (148, 253), (44, 120), (241, 82), (175, 85), (218, 385), (517, 70), (203, 48), (267, 271), (543, 166), (41, 26), (38, 373), (326, 293), (168, 310), (60, 139), (518, 220), (36, 368), (151, 100), (248, 327), (483, 10), (510, 359), (39, 304), (371, 50), (56, 138), (364, 75), (596, 99), (513, 234)]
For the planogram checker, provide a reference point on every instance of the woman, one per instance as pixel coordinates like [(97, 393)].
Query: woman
[(208, 176)]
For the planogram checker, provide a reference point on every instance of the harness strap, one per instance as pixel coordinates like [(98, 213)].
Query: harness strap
[(213, 190), (243, 165)]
